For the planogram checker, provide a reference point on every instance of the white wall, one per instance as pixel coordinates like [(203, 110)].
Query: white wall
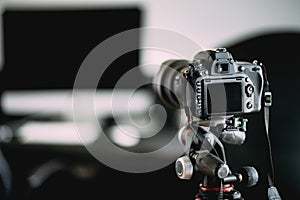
[(209, 23)]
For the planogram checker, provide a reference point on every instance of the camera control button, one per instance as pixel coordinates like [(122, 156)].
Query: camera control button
[(249, 105), (241, 68), (249, 90)]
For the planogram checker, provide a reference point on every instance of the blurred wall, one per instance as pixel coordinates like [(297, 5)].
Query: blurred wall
[(208, 23)]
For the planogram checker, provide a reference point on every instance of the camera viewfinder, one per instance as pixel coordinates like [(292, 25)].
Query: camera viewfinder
[(222, 68)]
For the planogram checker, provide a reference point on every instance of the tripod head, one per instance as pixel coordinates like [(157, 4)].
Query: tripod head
[(215, 92), (207, 157)]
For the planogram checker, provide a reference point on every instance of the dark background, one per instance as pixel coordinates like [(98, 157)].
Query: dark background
[(278, 51)]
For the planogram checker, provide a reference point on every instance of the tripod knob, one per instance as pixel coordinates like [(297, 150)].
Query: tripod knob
[(250, 176), (184, 168), (222, 171), (247, 176)]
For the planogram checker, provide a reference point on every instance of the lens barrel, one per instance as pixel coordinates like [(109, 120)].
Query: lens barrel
[(167, 82)]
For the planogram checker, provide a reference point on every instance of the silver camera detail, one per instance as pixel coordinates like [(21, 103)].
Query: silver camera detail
[(219, 86)]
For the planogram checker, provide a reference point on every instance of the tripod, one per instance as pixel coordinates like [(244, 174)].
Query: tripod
[(203, 155), (210, 189)]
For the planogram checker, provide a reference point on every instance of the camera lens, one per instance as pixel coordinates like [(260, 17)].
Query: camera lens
[(167, 84)]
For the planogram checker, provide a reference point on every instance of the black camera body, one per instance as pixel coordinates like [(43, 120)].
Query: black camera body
[(225, 87), (216, 85)]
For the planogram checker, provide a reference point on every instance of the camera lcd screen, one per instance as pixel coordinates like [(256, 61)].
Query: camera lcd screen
[(224, 98)]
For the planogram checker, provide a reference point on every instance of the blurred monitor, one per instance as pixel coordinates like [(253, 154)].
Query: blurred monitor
[(43, 51), (44, 48)]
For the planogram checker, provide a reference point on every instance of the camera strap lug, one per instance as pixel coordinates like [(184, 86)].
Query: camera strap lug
[(268, 99)]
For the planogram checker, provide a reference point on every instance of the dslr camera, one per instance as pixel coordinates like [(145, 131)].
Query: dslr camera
[(215, 91), (213, 84)]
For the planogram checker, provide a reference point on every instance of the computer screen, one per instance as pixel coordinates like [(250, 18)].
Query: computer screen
[(43, 49)]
